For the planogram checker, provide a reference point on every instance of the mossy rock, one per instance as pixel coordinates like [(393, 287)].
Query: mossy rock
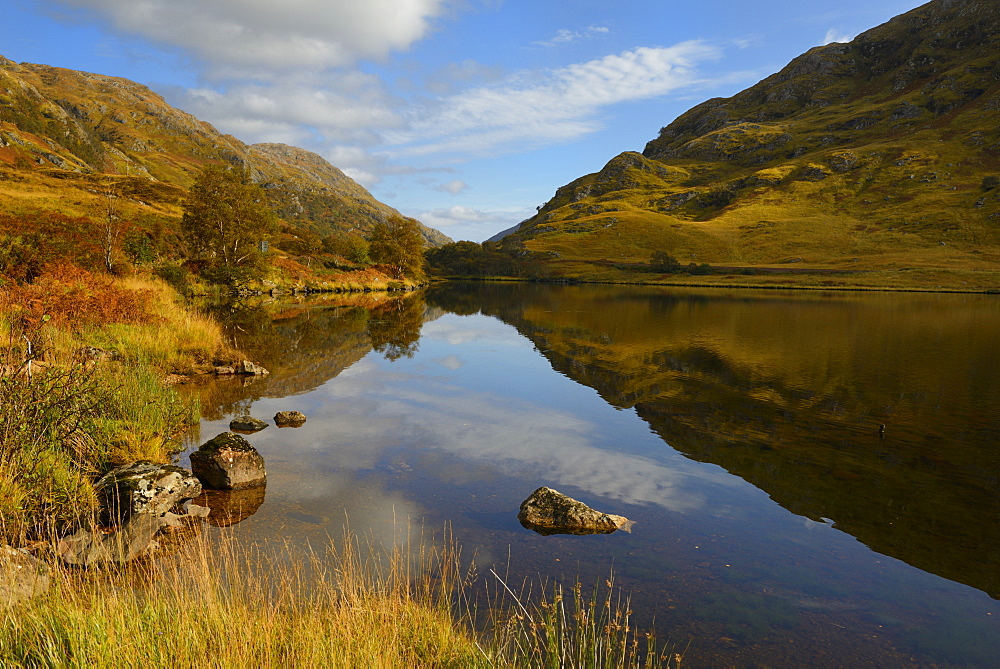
[(228, 462)]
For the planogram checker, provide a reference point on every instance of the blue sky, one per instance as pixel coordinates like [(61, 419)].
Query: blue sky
[(466, 114)]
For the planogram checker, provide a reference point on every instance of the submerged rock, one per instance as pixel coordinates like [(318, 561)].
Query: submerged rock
[(548, 511), (289, 418), (228, 507), (247, 424), (228, 462), (22, 576)]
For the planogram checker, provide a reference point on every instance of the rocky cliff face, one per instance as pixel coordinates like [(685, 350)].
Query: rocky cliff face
[(825, 160), (89, 123)]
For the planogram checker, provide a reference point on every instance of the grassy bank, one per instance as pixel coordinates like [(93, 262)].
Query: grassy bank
[(83, 359), (820, 278), (221, 604)]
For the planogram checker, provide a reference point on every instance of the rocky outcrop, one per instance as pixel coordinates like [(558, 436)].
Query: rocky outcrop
[(137, 500), (228, 462), (143, 488), (548, 511), (289, 419), (22, 576)]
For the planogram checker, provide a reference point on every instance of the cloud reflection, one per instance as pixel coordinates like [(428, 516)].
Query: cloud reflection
[(376, 412)]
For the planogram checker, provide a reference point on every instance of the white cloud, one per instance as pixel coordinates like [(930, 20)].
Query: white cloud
[(335, 107), (452, 362), (566, 36), (455, 186), (458, 215), (834, 35), (535, 108), (256, 34)]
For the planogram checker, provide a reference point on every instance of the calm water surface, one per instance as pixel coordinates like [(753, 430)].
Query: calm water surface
[(739, 429)]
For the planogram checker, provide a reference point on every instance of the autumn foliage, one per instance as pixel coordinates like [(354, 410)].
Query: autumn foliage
[(68, 296)]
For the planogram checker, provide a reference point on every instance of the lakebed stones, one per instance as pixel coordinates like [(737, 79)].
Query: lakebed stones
[(247, 424), (289, 419), (228, 462), (22, 576), (548, 511)]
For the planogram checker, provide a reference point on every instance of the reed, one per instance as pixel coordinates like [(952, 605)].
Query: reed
[(571, 627)]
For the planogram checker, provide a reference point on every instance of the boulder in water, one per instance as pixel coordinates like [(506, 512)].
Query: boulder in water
[(228, 462), (548, 511)]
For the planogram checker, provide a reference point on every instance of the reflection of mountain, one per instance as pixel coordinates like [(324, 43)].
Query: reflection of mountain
[(305, 345), (788, 391)]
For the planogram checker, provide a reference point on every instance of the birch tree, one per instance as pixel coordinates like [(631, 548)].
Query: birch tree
[(225, 219)]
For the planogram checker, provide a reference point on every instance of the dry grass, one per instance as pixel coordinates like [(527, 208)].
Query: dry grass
[(222, 604), (139, 318), (227, 606)]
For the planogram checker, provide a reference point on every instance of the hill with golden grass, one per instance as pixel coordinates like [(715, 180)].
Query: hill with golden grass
[(881, 154), (65, 135)]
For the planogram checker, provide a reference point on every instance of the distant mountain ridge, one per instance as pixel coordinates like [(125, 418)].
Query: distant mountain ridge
[(90, 123), (884, 152)]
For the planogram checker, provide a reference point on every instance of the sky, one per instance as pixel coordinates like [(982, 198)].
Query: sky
[(465, 114)]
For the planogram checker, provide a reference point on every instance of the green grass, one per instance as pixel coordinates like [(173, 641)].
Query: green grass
[(64, 426)]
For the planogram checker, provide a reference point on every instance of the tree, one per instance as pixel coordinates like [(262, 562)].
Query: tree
[(397, 242), (225, 219), (111, 221), (664, 262)]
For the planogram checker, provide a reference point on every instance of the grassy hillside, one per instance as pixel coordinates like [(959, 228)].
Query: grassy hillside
[(874, 156), (60, 129)]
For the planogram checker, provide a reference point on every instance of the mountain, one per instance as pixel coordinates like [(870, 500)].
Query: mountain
[(61, 128), (883, 153)]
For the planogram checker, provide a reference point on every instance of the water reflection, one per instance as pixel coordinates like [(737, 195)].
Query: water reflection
[(304, 344), (787, 392), (229, 507), (687, 412)]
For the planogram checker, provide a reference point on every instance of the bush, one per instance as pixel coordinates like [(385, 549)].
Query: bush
[(176, 276)]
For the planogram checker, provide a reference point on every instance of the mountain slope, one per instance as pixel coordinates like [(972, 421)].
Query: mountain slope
[(881, 153), (85, 124)]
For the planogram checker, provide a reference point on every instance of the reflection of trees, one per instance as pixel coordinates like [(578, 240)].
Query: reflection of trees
[(787, 392), (304, 345), (394, 329)]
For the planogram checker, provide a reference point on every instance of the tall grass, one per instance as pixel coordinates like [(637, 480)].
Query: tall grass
[(220, 603), (574, 628), (340, 608), (65, 425), (172, 338), (65, 419)]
